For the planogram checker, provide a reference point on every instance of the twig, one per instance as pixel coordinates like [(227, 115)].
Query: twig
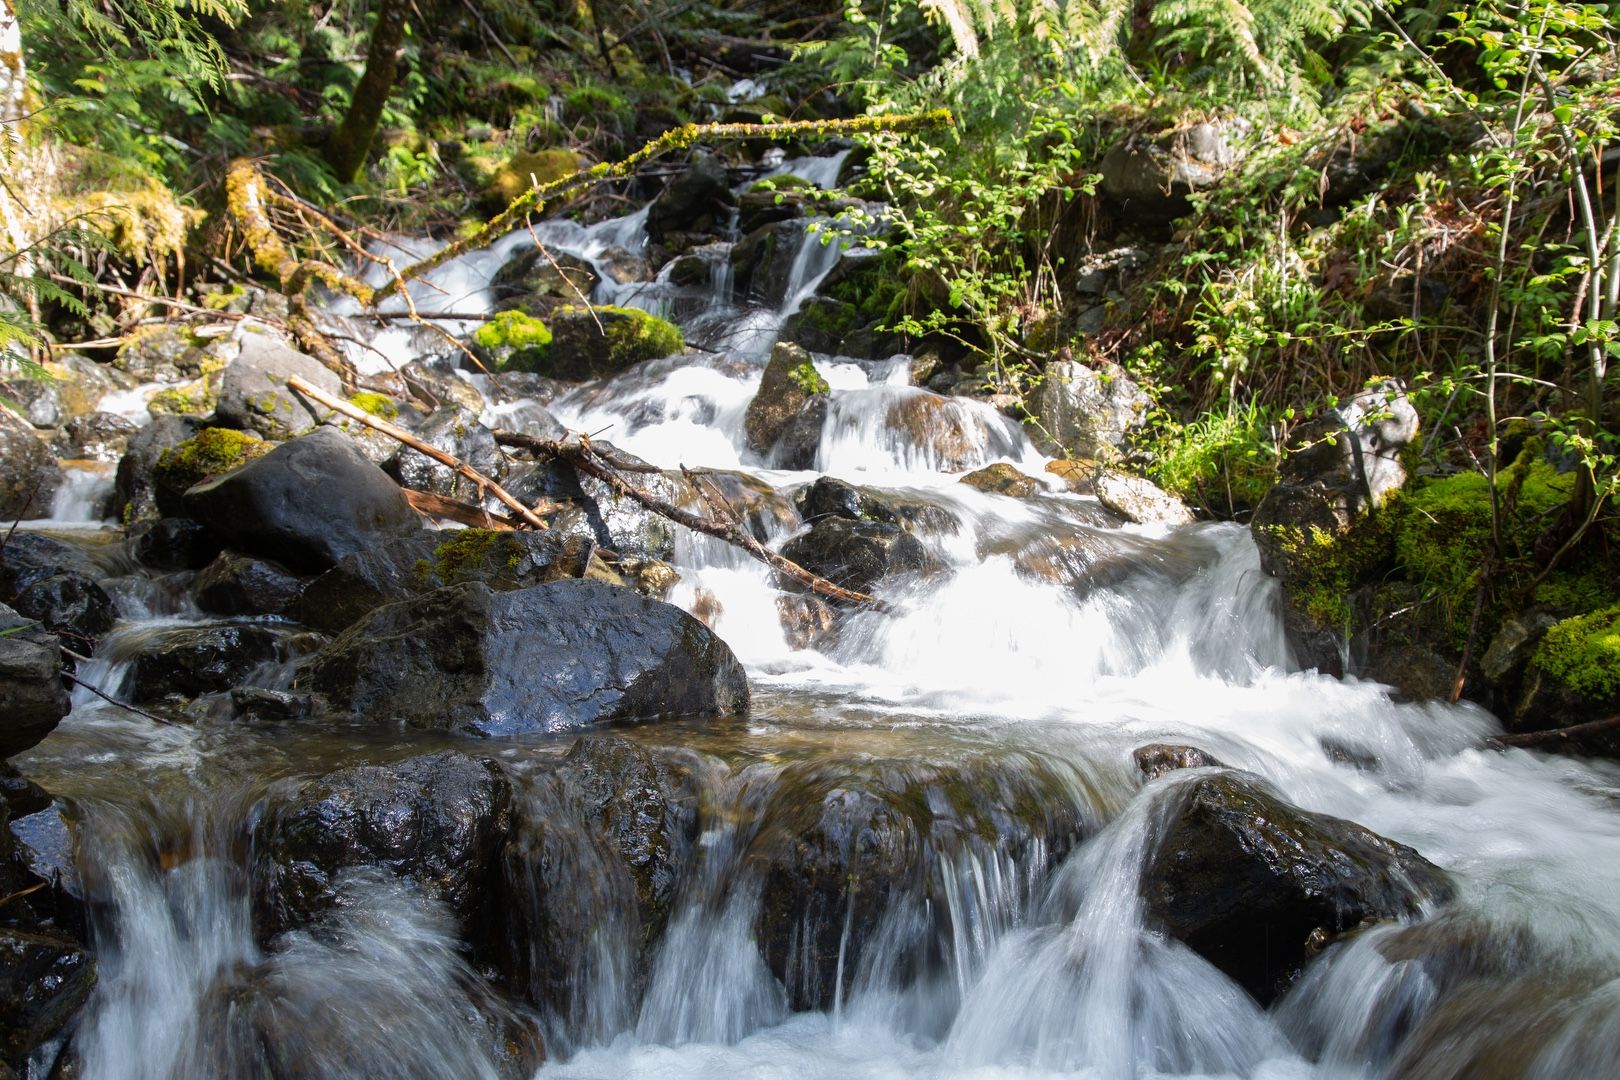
[(354, 412), (588, 460), (1555, 736), (109, 699), (4, 900), (425, 502)]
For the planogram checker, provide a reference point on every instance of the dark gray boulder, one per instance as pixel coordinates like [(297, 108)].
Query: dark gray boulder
[(438, 819), (55, 583), (763, 261), (845, 840), (457, 432), (192, 660), (1248, 880), (858, 554), (253, 394), (235, 584), (172, 544), (556, 657), (45, 977), (307, 503), (406, 566), (607, 836), (699, 199), (31, 476), (135, 487), (31, 687), (784, 420)]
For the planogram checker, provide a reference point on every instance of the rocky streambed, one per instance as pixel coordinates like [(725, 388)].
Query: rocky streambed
[(398, 797)]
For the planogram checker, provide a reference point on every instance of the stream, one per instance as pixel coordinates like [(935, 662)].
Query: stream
[(987, 681)]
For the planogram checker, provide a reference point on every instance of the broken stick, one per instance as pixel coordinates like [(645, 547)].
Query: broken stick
[(588, 460), (354, 412)]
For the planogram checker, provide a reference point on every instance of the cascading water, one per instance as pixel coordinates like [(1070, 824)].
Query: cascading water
[(1046, 646)]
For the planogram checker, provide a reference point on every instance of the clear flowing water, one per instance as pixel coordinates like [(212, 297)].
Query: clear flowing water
[(1053, 642)]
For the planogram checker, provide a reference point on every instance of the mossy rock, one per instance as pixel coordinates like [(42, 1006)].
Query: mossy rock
[(210, 452), (378, 405), (1583, 654), (513, 341), (588, 343), (1443, 532), (526, 168)]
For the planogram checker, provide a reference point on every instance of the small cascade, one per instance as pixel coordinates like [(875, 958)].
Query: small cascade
[(922, 853)]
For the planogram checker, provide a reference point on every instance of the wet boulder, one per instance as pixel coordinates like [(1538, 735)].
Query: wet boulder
[(858, 554), (1148, 179), (697, 200), (536, 281), (783, 422), (458, 433), (173, 543), (31, 476), (210, 452), (763, 261), (1003, 479), (56, 584), (188, 661), (30, 683), (438, 819), (253, 394), (608, 836), (96, 436), (45, 978), (406, 566), (1247, 880), (1089, 411), (235, 584), (307, 503), (589, 343), (134, 487), (829, 497), (842, 842), (1157, 759), (556, 657)]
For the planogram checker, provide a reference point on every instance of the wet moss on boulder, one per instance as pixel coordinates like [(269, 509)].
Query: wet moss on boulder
[(589, 343)]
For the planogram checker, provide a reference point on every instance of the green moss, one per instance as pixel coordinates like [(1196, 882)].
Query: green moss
[(1444, 533), (513, 341), (1325, 568), (786, 182), (465, 552), (208, 453), (808, 379), (1579, 590), (640, 336), (375, 404), (176, 401), (1583, 653)]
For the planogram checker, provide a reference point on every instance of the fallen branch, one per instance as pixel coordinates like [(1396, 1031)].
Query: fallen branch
[(108, 698), (425, 502), (587, 459), (354, 412), (1555, 736)]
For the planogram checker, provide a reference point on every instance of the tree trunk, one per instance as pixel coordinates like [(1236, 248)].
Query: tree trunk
[(347, 149)]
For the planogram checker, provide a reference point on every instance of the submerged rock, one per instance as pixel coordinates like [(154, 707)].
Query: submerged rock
[(307, 503), (842, 842), (604, 840), (555, 657), (1246, 880), (438, 819)]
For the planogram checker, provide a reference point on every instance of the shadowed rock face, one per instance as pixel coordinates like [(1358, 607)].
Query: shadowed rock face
[(438, 820), (1247, 880), (555, 657), (306, 504)]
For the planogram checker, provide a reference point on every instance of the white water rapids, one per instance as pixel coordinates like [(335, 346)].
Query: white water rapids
[(1146, 635)]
